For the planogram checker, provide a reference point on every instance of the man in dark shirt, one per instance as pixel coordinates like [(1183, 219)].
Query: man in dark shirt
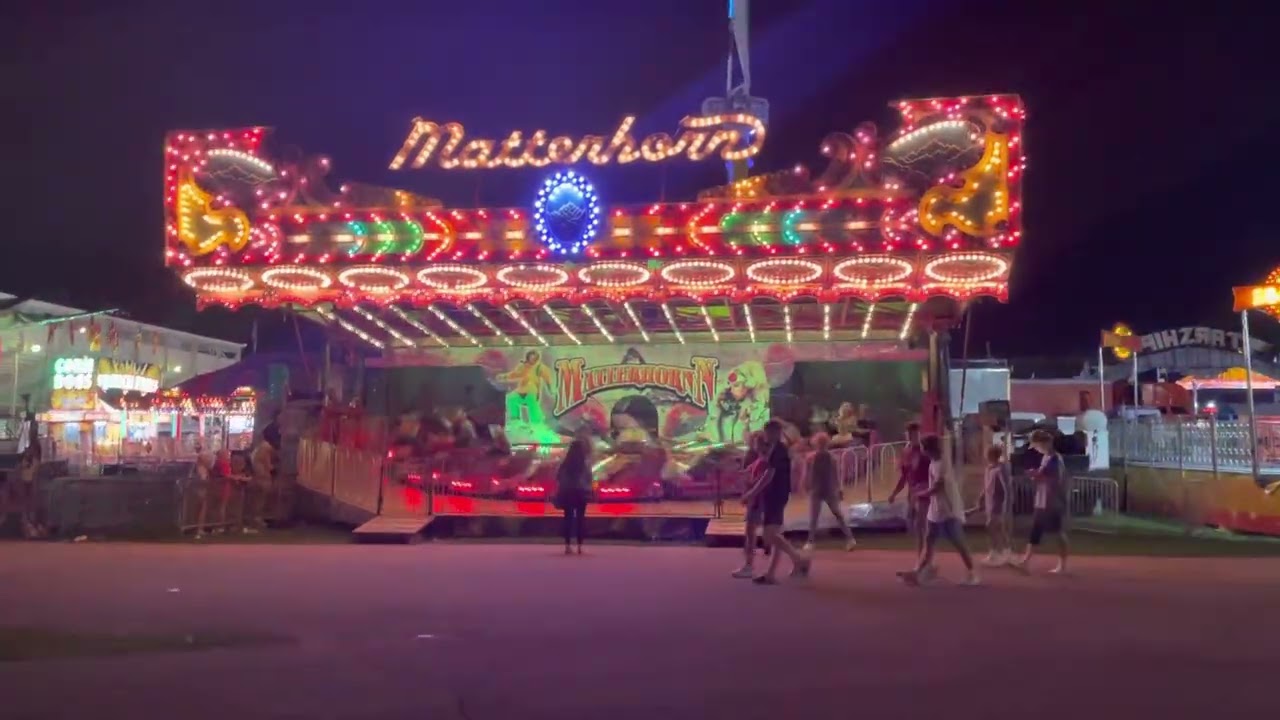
[(774, 490)]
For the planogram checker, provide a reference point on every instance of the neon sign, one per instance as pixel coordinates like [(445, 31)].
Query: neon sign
[(734, 137), (73, 373)]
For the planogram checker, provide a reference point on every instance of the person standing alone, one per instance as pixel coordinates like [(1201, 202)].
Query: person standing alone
[(573, 485)]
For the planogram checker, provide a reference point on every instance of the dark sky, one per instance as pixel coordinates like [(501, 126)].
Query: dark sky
[(1152, 138)]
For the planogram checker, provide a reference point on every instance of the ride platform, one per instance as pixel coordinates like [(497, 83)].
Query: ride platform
[(389, 528)]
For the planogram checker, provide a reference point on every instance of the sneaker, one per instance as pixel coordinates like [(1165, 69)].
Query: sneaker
[(568, 550), (928, 573), (764, 580), (990, 558), (801, 570), (746, 572), (1020, 565), (1058, 569), (971, 579), (579, 549), (1005, 558), (909, 577), (850, 545), (808, 547)]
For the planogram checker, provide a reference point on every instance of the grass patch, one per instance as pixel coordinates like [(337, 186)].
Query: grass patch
[(18, 644)]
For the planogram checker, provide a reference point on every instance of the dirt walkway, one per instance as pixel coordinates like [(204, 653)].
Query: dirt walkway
[(519, 631)]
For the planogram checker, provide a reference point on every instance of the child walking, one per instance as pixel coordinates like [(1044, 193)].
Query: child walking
[(995, 502), (944, 516), (824, 489), (754, 465)]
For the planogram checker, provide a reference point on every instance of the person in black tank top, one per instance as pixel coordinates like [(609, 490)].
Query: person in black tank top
[(773, 489)]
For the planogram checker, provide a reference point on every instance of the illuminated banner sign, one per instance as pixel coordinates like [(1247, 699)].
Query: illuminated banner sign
[(73, 373), (86, 373), (642, 393), (577, 382), (733, 137), (1257, 297), (128, 376)]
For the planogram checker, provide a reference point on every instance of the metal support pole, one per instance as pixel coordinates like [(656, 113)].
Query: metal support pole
[(1137, 397), (1213, 445), (1102, 383), (13, 402), (1182, 446), (1248, 385)]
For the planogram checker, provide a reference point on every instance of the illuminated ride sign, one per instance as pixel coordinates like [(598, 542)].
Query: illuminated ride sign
[(1264, 297), (733, 136), (577, 382)]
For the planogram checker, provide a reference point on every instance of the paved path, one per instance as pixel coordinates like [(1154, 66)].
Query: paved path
[(444, 631)]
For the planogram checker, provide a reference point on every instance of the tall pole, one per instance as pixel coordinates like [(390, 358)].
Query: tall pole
[(13, 403), (1137, 398), (1102, 383), (1248, 388)]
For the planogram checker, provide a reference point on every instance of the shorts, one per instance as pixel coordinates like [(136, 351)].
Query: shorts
[(755, 513), (772, 513), (1045, 521), (950, 529), (917, 509)]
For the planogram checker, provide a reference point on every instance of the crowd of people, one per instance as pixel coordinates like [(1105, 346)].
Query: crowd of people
[(254, 474), (934, 504)]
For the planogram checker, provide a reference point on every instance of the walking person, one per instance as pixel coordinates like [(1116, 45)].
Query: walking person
[(1051, 506), (573, 485), (913, 468), (754, 464), (995, 503), (824, 489), (945, 516), (774, 490)]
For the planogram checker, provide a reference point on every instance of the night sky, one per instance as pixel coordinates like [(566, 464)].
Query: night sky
[(1153, 151)]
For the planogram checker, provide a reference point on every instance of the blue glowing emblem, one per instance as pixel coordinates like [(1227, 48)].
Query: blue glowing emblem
[(566, 214)]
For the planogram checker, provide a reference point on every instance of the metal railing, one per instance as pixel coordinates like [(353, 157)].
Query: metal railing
[(344, 474), (1195, 444), (1087, 495), (164, 500), (476, 481)]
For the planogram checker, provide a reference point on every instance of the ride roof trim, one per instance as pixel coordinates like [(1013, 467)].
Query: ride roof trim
[(933, 211)]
